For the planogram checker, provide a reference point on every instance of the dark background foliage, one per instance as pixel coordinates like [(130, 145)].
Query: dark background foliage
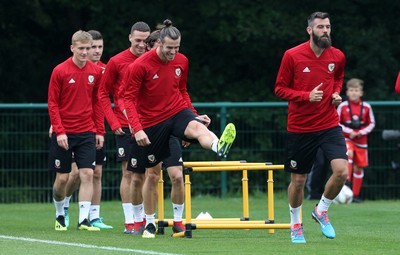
[(234, 47)]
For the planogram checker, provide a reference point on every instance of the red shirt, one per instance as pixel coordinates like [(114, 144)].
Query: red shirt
[(366, 117), (72, 99), (112, 80), (155, 91), (300, 72), (397, 88)]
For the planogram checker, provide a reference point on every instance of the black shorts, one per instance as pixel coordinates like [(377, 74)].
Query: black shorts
[(175, 157), (100, 157), (83, 146), (159, 135), (124, 145), (301, 148)]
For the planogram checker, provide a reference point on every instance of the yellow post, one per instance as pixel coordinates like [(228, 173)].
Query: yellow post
[(245, 194), (161, 197), (271, 214)]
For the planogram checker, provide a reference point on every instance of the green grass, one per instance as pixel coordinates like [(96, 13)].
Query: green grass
[(367, 228)]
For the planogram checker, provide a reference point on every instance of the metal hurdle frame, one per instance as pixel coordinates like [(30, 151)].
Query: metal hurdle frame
[(223, 223)]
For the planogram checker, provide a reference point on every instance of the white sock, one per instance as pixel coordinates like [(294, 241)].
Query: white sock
[(323, 204), (178, 211), (138, 212), (128, 212), (150, 218), (214, 145), (84, 207), (295, 215), (59, 205), (94, 212), (66, 201)]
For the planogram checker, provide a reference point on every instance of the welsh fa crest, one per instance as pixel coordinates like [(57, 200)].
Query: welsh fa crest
[(178, 72), (91, 79), (331, 67)]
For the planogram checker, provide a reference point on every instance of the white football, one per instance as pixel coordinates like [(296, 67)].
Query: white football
[(345, 196)]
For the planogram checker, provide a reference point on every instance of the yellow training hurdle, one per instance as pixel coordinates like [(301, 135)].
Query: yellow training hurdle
[(222, 223)]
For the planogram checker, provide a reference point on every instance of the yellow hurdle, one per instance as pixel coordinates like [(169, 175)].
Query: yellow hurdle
[(223, 223)]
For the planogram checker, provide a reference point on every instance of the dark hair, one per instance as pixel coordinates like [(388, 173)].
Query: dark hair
[(95, 34), (169, 30), (316, 15), (140, 26), (152, 39)]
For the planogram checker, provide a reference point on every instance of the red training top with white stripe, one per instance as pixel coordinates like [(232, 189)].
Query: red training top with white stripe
[(73, 100), (155, 91), (367, 121), (112, 80), (300, 72)]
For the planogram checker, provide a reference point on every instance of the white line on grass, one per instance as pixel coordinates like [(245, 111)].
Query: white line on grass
[(85, 245)]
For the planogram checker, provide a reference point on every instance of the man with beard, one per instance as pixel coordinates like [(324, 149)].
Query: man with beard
[(310, 78)]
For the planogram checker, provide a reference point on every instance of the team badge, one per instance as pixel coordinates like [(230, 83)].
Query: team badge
[(121, 152), (133, 162), (151, 158), (178, 72), (57, 163), (331, 67), (293, 164), (91, 79)]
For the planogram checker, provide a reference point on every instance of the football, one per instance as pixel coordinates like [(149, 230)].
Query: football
[(345, 196)]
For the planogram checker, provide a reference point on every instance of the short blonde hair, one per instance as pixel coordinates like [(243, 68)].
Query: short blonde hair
[(81, 36), (355, 83)]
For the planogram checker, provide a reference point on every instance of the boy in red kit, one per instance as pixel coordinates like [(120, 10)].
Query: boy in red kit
[(397, 87), (357, 121), (78, 126), (310, 78), (132, 203), (158, 106)]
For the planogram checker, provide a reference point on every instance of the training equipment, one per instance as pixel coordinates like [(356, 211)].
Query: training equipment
[(149, 231), (244, 222), (85, 225), (296, 234), (226, 140), (100, 224), (323, 220), (345, 196), (60, 224), (390, 134), (204, 216)]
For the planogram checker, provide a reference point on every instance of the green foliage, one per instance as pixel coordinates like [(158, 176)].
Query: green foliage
[(234, 47)]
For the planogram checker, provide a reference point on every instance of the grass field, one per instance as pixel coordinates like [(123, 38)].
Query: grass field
[(367, 228)]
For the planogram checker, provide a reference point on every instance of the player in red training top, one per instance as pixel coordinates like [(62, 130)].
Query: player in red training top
[(111, 83), (397, 87), (310, 78), (357, 121), (158, 106), (78, 126), (94, 56)]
